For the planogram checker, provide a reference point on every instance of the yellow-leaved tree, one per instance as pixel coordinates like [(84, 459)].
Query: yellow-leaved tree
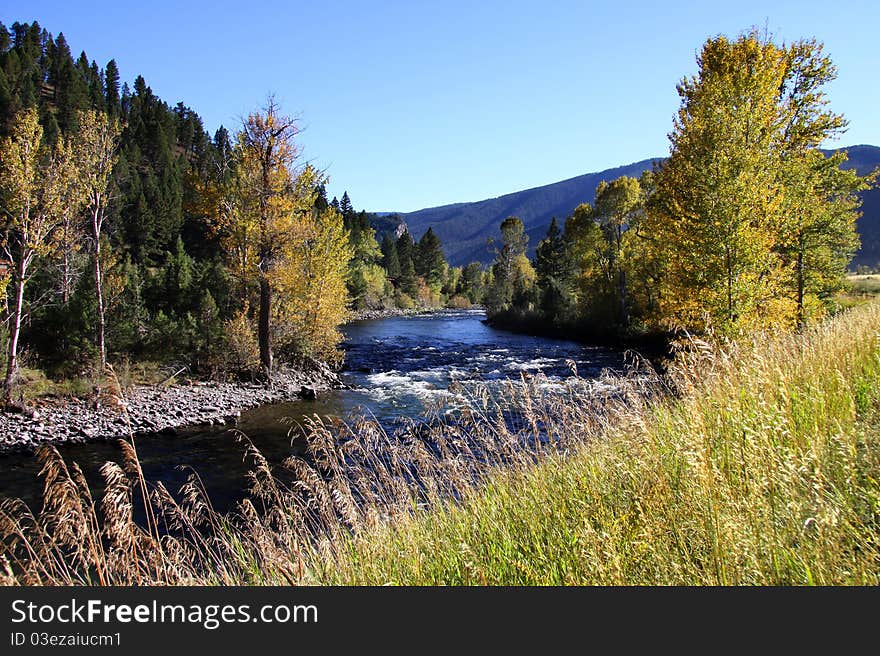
[(717, 204), (312, 298), (751, 221), (281, 249), (34, 182), (95, 150), (258, 211)]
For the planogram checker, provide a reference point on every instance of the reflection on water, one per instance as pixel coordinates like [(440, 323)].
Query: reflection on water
[(393, 367)]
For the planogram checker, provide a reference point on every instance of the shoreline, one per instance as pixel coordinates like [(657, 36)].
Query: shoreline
[(374, 315), (151, 409)]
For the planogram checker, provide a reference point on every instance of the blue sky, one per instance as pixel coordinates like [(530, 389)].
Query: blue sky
[(415, 104)]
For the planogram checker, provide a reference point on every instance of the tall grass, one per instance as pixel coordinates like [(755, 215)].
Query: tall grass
[(758, 465)]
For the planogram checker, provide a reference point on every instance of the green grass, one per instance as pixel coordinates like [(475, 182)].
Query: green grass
[(867, 284), (764, 472), (34, 384), (858, 289)]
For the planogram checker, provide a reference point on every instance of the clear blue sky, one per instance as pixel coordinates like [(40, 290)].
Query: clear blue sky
[(414, 104)]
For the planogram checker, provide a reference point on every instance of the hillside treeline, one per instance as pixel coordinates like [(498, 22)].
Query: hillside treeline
[(131, 234)]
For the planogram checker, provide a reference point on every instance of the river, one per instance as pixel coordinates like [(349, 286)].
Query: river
[(393, 367)]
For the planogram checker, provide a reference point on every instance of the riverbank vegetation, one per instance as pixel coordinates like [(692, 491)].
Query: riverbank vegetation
[(747, 226), (131, 236), (753, 462)]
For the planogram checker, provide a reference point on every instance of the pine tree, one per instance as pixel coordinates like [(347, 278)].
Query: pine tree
[(390, 260), (407, 283), (111, 87), (470, 283), (553, 275), (429, 260), (178, 281), (346, 210)]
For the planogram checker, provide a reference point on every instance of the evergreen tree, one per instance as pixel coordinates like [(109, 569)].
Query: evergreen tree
[(407, 281), (346, 210), (553, 275), (178, 281), (470, 283), (321, 203), (111, 87), (429, 260), (390, 260)]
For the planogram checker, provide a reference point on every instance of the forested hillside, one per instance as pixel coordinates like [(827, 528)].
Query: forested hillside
[(864, 159), (131, 234)]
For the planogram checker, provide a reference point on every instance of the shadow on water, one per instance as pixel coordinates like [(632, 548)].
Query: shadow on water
[(393, 368)]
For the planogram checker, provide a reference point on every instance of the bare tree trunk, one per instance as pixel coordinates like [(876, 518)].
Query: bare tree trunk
[(66, 251), (97, 220), (65, 278), (263, 325), (12, 354), (621, 281)]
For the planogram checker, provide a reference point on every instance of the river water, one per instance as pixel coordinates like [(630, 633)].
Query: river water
[(394, 367)]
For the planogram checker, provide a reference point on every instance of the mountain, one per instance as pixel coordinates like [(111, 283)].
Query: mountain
[(864, 159), (465, 227)]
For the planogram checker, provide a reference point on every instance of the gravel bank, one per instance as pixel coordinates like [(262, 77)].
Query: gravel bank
[(153, 409)]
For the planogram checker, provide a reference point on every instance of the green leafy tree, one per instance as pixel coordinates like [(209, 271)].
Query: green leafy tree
[(512, 272), (745, 205), (718, 195), (470, 283), (619, 208)]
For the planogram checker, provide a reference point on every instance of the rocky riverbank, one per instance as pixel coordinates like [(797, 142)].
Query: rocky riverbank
[(154, 409), (369, 315)]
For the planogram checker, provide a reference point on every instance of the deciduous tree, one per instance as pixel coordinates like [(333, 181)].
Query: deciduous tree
[(33, 182), (95, 148)]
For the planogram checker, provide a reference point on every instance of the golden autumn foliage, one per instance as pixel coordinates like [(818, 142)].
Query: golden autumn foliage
[(95, 149), (750, 219), (312, 299), (34, 185), (290, 259)]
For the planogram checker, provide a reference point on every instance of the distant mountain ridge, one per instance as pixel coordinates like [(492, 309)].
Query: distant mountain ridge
[(464, 228)]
